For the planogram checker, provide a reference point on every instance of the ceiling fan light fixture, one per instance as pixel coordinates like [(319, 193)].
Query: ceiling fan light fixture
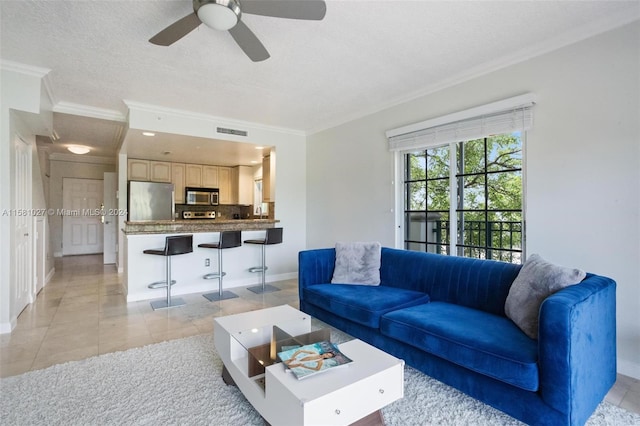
[(78, 149), (219, 14)]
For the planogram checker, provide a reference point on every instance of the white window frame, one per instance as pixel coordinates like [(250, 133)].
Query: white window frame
[(406, 135)]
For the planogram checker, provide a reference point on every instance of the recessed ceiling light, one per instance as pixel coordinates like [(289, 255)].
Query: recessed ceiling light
[(148, 133), (78, 149), (259, 147), (254, 162)]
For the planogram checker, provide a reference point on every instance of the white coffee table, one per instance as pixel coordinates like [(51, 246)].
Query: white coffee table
[(336, 397)]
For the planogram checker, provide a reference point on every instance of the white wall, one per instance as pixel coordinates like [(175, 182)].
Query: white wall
[(20, 92), (582, 165)]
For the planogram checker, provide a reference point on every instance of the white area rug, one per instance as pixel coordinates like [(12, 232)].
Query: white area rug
[(178, 382)]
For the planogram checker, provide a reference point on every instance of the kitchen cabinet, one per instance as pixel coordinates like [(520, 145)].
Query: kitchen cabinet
[(148, 170), (159, 171), (210, 176), (242, 185), (235, 183), (269, 178), (193, 175), (178, 180), (224, 184), (138, 169)]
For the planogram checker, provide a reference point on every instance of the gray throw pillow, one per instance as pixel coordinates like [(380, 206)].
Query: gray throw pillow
[(357, 263), (537, 280)]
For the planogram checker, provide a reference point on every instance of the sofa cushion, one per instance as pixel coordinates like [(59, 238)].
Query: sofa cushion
[(475, 283), (488, 344), (537, 280), (363, 304), (357, 263)]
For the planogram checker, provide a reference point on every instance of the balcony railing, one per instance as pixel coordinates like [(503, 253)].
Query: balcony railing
[(497, 240)]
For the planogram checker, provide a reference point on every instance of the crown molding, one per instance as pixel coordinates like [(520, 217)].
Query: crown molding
[(118, 137), (74, 158), (572, 36), (89, 111), (23, 69), (46, 82), (154, 109)]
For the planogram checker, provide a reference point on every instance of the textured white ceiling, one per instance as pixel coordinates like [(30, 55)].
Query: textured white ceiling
[(364, 56)]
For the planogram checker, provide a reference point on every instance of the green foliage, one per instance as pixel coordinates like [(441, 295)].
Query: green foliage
[(489, 177)]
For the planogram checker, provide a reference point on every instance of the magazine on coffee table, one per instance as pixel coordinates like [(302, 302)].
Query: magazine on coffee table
[(308, 360)]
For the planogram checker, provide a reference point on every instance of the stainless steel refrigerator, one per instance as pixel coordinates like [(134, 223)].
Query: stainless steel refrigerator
[(150, 201)]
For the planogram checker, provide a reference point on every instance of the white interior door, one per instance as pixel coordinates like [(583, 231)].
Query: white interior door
[(81, 225), (24, 290), (110, 219)]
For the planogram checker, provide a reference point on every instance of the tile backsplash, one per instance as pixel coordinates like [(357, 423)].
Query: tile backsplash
[(223, 211)]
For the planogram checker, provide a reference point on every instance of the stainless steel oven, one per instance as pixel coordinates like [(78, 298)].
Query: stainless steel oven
[(201, 196)]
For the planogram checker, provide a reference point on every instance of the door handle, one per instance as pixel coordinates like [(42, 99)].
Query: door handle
[(26, 235)]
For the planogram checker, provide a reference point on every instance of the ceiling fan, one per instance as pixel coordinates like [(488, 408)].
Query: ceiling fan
[(226, 15)]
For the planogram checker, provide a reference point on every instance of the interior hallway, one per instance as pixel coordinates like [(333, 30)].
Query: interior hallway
[(82, 313)]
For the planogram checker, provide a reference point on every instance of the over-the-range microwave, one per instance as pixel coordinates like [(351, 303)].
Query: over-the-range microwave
[(201, 196)]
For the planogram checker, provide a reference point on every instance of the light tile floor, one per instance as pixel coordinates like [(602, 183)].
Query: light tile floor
[(82, 312)]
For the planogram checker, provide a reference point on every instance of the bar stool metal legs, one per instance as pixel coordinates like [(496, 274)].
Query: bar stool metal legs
[(272, 236), (175, 245), (228, 239), (169, 302)]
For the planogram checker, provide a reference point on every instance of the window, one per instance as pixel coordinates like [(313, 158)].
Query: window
[(485, 187), (462, 174)]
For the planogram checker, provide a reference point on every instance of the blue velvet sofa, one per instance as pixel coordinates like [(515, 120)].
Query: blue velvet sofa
[(445, 316)]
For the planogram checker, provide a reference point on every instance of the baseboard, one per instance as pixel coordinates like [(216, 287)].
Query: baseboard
[(49, 276), (6, 327), (629, 368)]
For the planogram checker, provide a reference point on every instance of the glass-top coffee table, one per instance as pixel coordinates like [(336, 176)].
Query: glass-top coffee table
[(248, 344)]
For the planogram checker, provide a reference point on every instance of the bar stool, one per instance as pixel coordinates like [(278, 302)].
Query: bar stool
[(180, 244), (272, 236), (228, 239)]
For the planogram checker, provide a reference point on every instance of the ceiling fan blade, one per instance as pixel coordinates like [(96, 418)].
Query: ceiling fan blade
[(292, 9), (248, 42), (176, 31)]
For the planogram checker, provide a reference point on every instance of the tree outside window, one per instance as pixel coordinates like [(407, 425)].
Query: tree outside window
[(487, 196)]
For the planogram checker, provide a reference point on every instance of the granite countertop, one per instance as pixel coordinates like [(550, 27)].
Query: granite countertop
[(196, 225)]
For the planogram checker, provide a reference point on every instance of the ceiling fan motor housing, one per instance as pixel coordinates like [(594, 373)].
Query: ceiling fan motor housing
[(218, 14)]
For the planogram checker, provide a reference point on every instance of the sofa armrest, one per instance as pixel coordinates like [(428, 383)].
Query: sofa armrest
[(577, 344), (315, 267)]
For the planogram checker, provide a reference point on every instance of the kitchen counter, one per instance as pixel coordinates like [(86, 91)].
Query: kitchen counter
[(188, 270), (196, 225)]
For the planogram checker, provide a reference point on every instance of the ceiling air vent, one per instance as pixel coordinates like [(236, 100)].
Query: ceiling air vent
[(232, 131)]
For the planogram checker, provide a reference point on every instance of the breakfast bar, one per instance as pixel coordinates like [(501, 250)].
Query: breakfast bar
[(188, 270)]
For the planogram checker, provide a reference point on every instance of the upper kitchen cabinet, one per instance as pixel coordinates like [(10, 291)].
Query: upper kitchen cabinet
[(242, 185), (200, 176), (210, 177), (269, 177), (138, 169), (193, 175), (224, 184), (178, 180), (160, 171), (146, 170)]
